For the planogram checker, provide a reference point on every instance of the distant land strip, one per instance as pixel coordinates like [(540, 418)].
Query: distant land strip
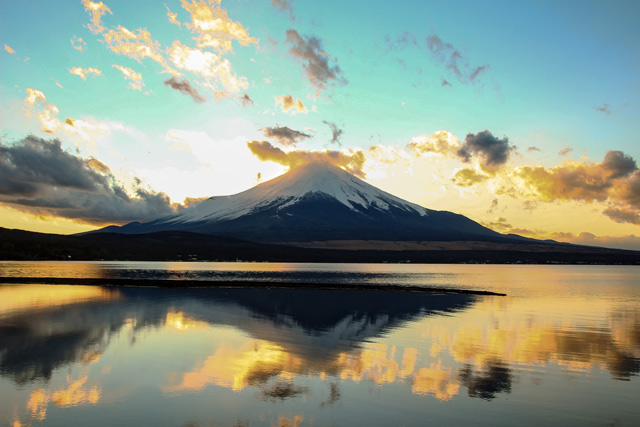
[(247, 284)]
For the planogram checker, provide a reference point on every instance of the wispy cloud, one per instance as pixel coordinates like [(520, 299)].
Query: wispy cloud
[(336, 132), (136, 45), (605, 108), (284, 135), (136, 82), (78, 43), (284, 6), (352, 161), (96, 10), (315, 60), (173, 17), (9, 49), (38, 177), (289, 104), (185, 88), (446, 54), (566, 150), (83, 72), (246, 100)]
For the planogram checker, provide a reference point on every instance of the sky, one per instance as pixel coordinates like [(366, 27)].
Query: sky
[(523, 116)]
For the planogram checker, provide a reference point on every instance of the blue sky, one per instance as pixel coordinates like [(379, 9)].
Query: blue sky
[(541, 96)]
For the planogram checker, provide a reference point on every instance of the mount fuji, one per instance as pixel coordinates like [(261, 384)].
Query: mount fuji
[(318, 202)]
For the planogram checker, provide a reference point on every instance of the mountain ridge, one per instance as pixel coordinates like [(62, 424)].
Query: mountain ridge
[(317, 201)]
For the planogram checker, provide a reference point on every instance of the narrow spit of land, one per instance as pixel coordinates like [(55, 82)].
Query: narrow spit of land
[(235, 284)]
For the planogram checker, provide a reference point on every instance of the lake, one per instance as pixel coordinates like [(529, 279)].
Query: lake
[(562, 348)]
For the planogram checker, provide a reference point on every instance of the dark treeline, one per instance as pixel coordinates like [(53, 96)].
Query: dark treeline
[(185, 246)]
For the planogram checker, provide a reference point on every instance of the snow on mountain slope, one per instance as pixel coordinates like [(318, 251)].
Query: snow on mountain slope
[(285, 190)]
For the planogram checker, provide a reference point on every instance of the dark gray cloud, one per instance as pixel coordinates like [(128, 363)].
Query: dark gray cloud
[(623, 215), (619, 164), (446, 54), (317, 67), (336, 132), (284, 6), (285, 135), (491, 150), (246, 100), (185, 87), (37, 176)]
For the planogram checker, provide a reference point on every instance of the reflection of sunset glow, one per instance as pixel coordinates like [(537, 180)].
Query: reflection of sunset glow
[(293, 421), (37, 404), (28, 297), (179, 322), (235, 368), (76, 394), (437, 381)]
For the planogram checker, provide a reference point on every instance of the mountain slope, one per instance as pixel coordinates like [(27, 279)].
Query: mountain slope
[(317, 201)]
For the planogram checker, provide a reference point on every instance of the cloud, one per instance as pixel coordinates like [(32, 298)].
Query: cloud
[(493, 152), (605, 108), (38, 177), (403, 41), (468, 177), (565, 151), (446, 54), (8, 49), (215, 71), (317, 66), (78, 43), (213, 27), (351, 161), (289, 104), (284, 6), (185, 87), (440, 142), (136, 82), (336, 132), (445, 83), (136, 45), (173, 17), (614, 181), (96, 10), (493, 207), (532, 148), (284, 135), (83, 72), (246, 100)]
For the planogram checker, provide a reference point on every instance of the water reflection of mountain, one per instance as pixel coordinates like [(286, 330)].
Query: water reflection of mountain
[(313, 324)]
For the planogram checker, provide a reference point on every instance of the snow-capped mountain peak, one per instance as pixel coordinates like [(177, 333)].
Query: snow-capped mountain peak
[(319, 179)]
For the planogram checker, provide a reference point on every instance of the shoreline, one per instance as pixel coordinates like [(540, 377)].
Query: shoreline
[(233, 284)]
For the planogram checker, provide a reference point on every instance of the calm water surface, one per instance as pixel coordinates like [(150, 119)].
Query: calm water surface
[(563, 348)]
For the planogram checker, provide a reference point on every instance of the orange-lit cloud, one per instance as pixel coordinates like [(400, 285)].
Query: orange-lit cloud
[(468, 177), (289, 104), (615, 180), (352, 161), (96, 10), (83, 72), (136, 82), (213, 27), (8, 49)]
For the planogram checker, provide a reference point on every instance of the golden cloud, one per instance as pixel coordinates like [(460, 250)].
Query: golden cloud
[(440, 142), (291, 104), (96, 10), (136, 45), (136, 78), (8, 49), (213, 27), (468, 177), (83, 72), (351, 160), (173, 17)]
